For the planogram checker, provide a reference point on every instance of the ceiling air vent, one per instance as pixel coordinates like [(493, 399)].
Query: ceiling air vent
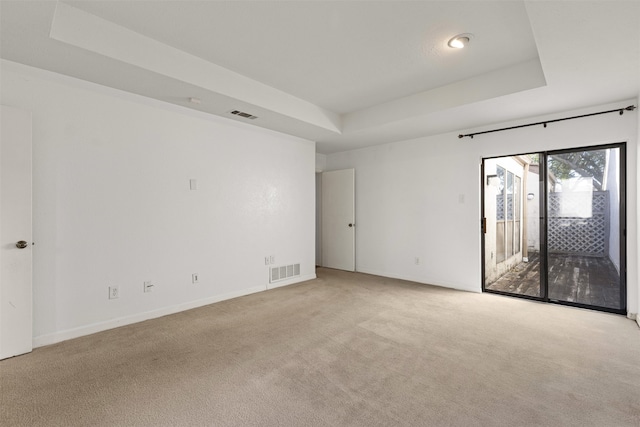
[(243, 114)]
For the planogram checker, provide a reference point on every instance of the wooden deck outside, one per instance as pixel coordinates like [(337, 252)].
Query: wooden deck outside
[(581, 279)]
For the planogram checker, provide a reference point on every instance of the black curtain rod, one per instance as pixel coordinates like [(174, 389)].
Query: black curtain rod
[(620, 110)]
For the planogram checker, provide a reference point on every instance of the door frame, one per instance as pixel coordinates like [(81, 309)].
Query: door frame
[(544, 276)]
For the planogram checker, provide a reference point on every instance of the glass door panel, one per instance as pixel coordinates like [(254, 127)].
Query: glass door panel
[(511, 225), (583, 227)]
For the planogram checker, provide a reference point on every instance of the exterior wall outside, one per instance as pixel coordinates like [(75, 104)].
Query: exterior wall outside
[(613, 187), (533, 211), (113, 205), (493, 268), (421, 197)]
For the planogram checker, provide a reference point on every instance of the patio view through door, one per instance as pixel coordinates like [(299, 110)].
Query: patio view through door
[(553, 226)]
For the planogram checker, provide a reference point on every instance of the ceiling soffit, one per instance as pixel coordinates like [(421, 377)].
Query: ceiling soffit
[(222, 86)]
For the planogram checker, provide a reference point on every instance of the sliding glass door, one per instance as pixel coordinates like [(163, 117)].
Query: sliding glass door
[(584, 212), (511, 224), (553, 226)]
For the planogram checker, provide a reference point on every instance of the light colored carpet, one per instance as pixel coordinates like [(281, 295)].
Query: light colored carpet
[(346, 349)]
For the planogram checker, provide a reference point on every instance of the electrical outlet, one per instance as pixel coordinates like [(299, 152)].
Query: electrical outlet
[(266, 260), (195, 278), (148, 286), (114, 292)]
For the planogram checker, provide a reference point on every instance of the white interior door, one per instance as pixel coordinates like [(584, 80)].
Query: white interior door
[(338, 220), (16, 334)]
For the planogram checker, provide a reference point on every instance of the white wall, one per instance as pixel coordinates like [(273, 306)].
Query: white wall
[(112, 204), (422, 197), (321, 162)]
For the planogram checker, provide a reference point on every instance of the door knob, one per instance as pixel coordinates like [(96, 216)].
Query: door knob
[(351, 225), (21, 244)]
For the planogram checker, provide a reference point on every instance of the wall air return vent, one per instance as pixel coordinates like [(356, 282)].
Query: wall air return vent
[(243, 114), (285, 272)]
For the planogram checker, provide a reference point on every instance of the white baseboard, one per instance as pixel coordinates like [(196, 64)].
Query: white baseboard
[(93, 328), (291, 281), (417, 279), (634, 316)]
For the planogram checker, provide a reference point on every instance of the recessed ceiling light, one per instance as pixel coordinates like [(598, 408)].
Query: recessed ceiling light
[(460, 41)]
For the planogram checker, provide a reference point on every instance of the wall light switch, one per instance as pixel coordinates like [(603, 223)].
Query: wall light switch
[(148, 286), (193, 184)]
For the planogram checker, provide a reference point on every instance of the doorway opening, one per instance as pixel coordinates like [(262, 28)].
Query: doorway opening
[(554, 226)]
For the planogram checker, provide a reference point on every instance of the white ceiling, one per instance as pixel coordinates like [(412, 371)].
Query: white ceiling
[(346, 74)]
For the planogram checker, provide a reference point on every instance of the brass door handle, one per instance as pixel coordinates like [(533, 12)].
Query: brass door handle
[(21, 244)]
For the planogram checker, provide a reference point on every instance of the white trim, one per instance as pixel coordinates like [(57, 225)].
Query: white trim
[(421, 280), (634, 316), (291, 281), (80, 331)]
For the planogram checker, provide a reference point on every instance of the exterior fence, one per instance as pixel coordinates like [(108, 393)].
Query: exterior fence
[(579, 223)]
